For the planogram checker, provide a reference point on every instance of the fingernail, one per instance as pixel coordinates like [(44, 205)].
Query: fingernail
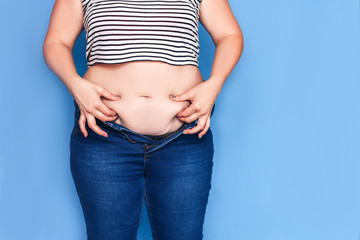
[(185, 133)]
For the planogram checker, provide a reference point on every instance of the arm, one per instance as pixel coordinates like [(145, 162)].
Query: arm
[(219, 21), (65, 27), (217, 18), (66, 23)]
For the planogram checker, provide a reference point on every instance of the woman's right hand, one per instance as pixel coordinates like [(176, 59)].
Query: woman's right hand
[(88, 97)]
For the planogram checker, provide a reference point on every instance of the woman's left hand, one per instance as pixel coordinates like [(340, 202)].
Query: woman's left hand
[(202, 98)]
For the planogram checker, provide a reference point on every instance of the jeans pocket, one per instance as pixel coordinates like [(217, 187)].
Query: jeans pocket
[(207, 136), (76, 130)]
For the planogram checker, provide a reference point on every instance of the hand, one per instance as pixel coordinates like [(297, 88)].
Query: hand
[(202, 98), (88, 97)]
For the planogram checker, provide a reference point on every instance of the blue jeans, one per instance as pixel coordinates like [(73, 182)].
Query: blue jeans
[(113, 176)]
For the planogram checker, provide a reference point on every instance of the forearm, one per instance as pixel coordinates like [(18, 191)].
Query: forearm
[(227, 53), (58, 57)]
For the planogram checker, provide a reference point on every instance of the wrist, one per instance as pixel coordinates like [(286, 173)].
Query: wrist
[(73, 84), (216, 83)]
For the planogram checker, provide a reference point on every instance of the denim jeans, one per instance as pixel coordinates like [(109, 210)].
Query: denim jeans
[(115, 175)]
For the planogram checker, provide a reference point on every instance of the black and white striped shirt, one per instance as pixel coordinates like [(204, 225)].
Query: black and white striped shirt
[(119, 31)]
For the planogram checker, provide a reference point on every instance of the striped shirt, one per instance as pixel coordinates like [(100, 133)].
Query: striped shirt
[(119, 31)]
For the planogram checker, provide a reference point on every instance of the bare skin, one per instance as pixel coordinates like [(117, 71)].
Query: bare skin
[(144, 105), (143, 88)]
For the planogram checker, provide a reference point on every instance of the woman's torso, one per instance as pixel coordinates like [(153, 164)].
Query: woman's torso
[(144, 88)]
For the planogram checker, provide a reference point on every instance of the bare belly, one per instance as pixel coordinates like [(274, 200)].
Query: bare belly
[(144, 88)]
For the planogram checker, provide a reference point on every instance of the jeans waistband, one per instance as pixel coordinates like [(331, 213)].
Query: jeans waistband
[(134, 136)]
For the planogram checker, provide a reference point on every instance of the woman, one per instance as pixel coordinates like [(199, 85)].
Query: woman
[(129, 140)]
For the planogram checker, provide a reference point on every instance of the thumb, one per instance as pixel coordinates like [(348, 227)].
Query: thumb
[(180, 97), (109, 95)]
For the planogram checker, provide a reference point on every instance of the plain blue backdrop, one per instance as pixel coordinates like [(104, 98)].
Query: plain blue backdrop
[(286, 127)]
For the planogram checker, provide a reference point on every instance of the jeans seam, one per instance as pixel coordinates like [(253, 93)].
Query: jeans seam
[(150, 218), (176, 132), (140, 216), (132, 141), (144, 162)]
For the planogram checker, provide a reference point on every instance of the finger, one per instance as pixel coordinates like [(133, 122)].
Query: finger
[(200, 125), (99, 115), (190, 118), (180, 97), (193, 108), (82, 120), (92, 124), (206, 128), (105, 110), (107, 94)]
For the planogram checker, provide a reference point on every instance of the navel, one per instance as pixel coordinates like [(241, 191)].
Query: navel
[(146, 96)]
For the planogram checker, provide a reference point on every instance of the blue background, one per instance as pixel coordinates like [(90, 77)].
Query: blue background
[(286, 127)]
